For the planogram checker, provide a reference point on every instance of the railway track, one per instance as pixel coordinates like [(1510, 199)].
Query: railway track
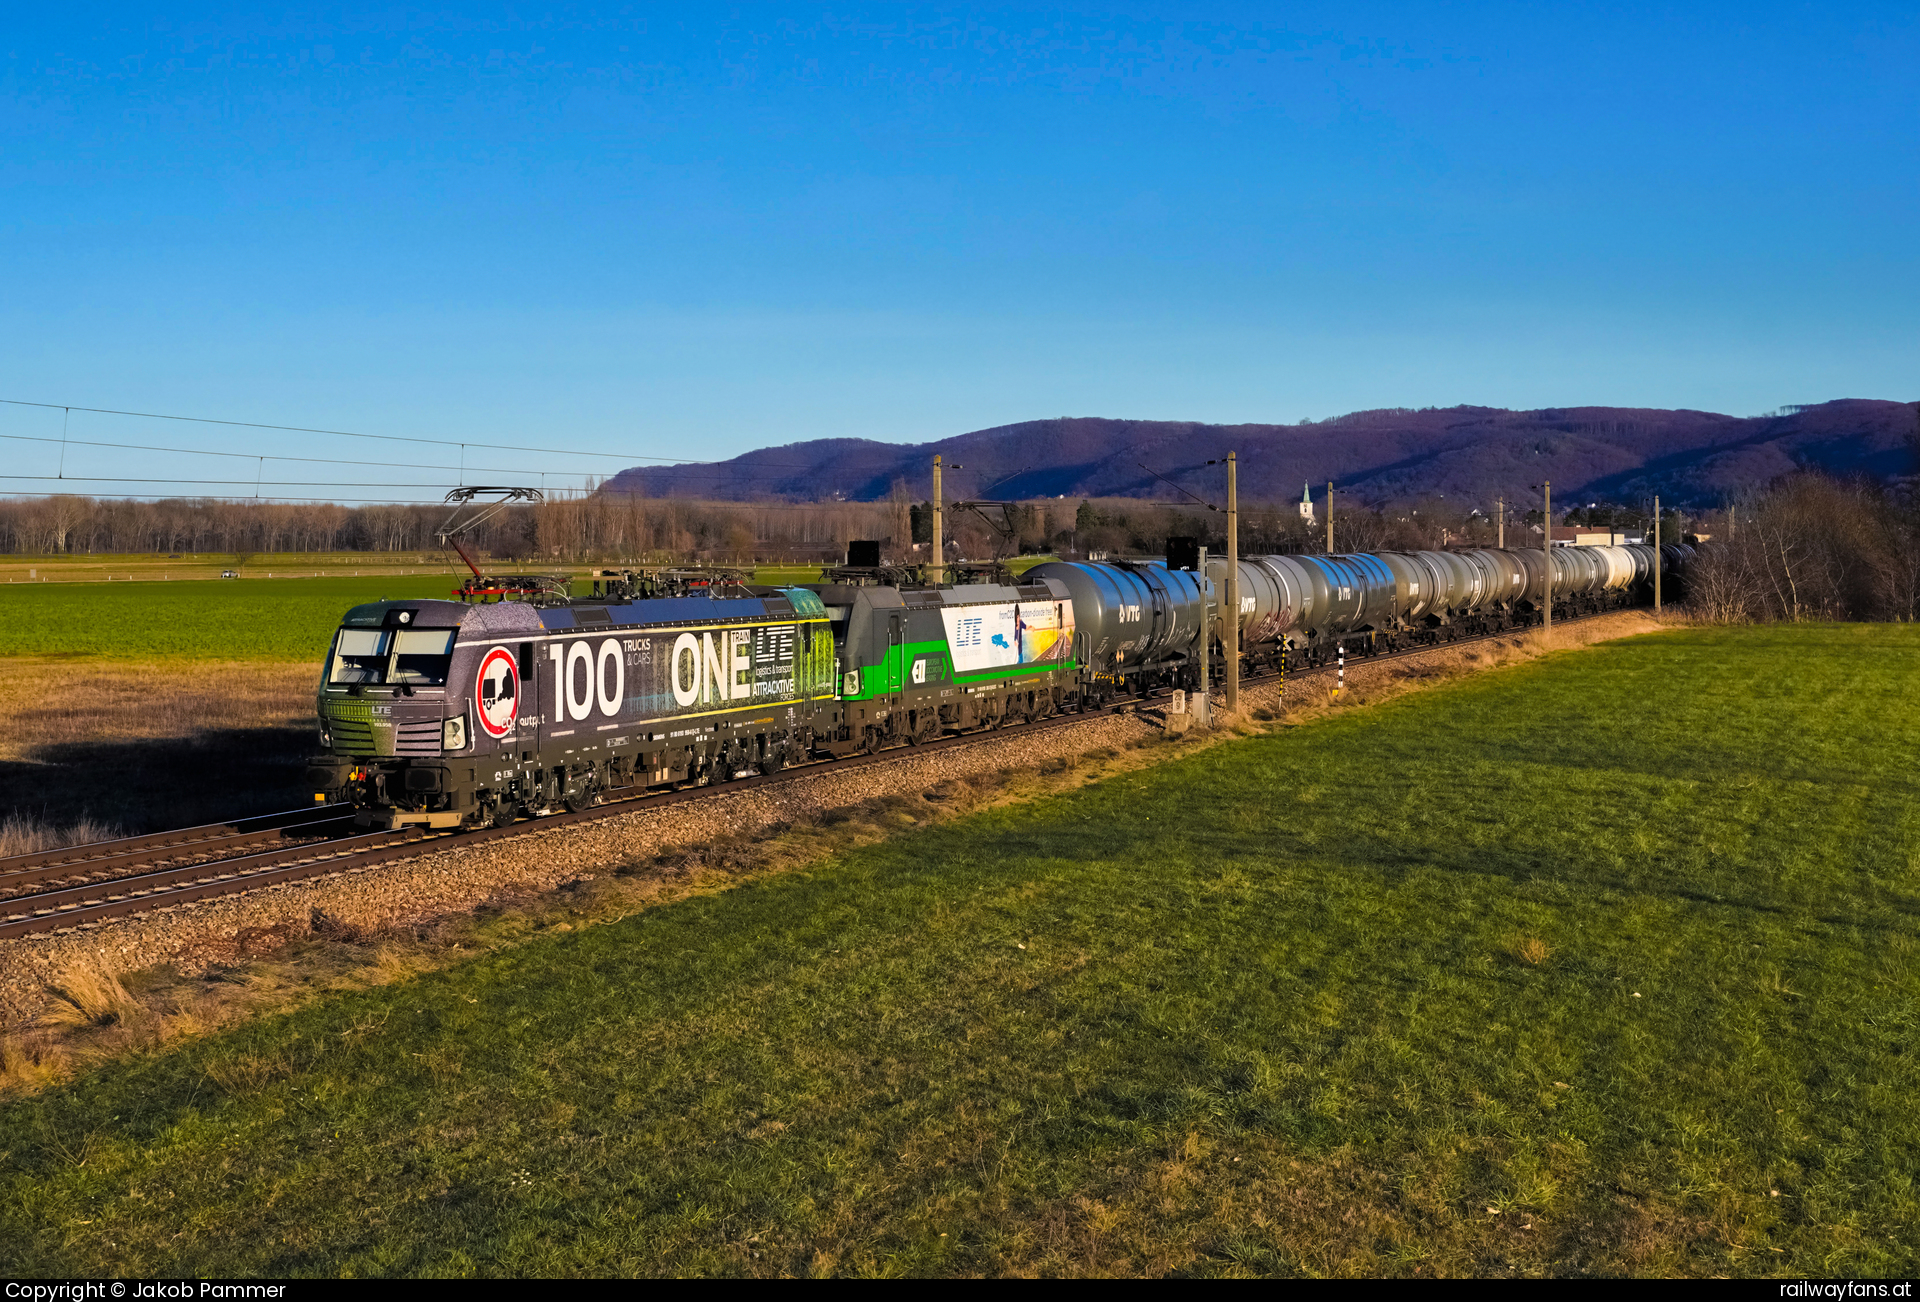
[(80, 885)]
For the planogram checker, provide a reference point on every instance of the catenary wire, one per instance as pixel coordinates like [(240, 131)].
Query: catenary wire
[(352, 434), (734, 477)]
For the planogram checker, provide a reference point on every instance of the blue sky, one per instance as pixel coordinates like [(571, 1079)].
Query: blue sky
[(678, 234)]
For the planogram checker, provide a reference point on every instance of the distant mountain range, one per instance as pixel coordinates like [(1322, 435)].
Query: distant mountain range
[(1618, 454)]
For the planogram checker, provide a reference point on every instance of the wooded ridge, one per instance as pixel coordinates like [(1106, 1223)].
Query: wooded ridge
[(1393, 455)]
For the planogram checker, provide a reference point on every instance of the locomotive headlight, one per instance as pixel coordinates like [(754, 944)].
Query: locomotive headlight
[(326, 735), (453, 734)]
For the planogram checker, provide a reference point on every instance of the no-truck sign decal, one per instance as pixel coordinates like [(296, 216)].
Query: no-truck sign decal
[(498, 692)]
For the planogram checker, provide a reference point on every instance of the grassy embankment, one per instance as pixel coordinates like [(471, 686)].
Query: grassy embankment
[(1601, 964)]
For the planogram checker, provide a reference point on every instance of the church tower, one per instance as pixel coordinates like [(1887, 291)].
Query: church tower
[(1306, 504)]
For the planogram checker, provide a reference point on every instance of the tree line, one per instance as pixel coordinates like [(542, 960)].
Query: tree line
[(1807, 547), (1810, 547), (603, 527), (571, 529)]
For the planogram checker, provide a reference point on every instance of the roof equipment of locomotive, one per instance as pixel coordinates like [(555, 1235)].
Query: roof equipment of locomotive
[(539, 588)]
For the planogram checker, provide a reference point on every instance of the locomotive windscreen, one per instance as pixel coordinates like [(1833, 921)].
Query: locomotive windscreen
[(422, 656), (418, 657), (360, 656)]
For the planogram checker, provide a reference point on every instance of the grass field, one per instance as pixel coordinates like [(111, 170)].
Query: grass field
[(283, 619), (148, 567), (269, 619), (1603, 964)]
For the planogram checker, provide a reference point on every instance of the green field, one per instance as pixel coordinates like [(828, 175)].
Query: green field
[(1600, 965), (152, 567), (215, 619), (261, 619)]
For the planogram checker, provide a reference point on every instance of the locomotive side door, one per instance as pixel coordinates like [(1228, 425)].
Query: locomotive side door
[(532, 700)]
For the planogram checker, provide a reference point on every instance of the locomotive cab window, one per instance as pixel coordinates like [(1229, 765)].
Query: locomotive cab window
[(422, 656), (360, 656)]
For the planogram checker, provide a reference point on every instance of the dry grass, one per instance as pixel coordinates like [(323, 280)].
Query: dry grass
[(100, 748), (50, 702), (91, 1015), (1532, 951), (90, 995), (23, 833)]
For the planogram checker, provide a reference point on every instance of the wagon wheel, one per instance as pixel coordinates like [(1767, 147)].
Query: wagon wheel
[(588, 796)]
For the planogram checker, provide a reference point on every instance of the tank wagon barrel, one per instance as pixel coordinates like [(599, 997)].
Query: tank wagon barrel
[(1387, 600)]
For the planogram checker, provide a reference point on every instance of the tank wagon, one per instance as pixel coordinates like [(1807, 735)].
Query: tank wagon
[(1137, 626), (451, 714), (1311, 606)]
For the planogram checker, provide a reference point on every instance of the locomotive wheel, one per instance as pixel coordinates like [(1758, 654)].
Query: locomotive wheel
[(504, 812)]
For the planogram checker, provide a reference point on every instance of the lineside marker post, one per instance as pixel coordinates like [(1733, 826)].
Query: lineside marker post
[(1202, 704), (1232, 626), (1656, 556), (1340, 683)]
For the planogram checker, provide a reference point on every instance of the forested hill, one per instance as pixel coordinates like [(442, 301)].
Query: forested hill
[(1620, 454)]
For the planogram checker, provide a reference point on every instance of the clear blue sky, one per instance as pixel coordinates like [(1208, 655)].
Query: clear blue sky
[(685, 236)]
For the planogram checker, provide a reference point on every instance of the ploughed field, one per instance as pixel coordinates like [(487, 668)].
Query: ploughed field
[(1600, 964)]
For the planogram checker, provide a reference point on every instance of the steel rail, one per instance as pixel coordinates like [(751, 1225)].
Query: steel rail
[(79, 906), (222, 847), (132, 893), (80, 855)]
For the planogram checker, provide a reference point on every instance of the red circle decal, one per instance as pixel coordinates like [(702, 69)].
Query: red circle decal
[(497, 692)]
